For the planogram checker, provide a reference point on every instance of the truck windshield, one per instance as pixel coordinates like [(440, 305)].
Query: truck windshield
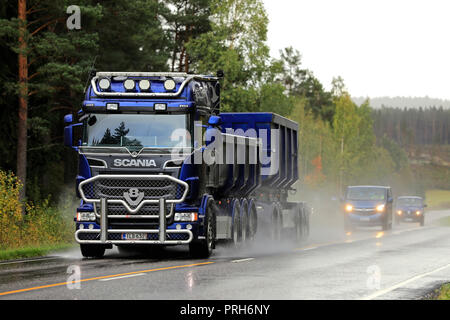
[(366, 193), (136, 131), (409, 201)]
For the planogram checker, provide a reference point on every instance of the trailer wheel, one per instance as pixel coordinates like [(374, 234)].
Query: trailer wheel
[(203, 248), (276, 224), (236, 222), (244, 226), (92, 250), (253, 220)]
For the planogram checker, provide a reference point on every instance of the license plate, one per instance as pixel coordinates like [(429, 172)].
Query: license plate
[(365, 219), (134, 236)]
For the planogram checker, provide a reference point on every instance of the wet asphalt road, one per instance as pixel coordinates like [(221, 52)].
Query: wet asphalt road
[(404, 263)]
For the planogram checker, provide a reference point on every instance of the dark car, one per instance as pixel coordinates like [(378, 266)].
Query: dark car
[(410, 208), (368, 206)]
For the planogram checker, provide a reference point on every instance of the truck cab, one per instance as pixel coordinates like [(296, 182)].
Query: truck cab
[(368, 206), (159, 164)]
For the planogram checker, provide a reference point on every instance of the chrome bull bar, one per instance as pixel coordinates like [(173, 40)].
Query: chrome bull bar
[(162, 232)]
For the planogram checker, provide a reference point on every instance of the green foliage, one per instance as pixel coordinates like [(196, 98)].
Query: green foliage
[(42, 225)]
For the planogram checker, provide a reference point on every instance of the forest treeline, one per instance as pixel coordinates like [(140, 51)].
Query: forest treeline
[(45, 68), (409, 127)]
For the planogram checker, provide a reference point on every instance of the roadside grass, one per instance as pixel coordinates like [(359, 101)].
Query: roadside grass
[(30, 252), (437, 199), (444, 222), (444, 293)]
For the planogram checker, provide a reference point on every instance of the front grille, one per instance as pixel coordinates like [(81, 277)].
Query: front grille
[(132, 190), (364, 212)]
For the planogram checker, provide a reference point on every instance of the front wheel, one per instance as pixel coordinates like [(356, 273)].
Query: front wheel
[(203, 248), (92, 250)]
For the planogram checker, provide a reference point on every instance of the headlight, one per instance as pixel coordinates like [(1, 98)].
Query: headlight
[(85, 216), (186, 216), (380, 208), (399, 212), (129, 84), (169, 84), (418, 213), (349, 208)]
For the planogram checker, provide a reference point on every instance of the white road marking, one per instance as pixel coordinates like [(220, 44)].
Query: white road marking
[(121, 277), (242, 260), (403, 283), (310, 248), (29, 260)]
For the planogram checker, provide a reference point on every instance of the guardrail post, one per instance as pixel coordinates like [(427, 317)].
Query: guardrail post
[(162, 220), (103, 221)]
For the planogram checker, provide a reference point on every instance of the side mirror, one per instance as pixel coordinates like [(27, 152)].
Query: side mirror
[(214, 121), (71, 139), (425, 205), (68, 119), (390, 200)]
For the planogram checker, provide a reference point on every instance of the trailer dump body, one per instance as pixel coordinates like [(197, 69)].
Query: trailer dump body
[(159, 164)]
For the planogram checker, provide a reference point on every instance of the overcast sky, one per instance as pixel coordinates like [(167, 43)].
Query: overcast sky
[(379, 47)]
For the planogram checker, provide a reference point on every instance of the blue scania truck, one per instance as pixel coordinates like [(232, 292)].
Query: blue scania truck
[(159, 164)]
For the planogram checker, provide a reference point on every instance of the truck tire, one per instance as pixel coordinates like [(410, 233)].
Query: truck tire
[(235, 225), (92, 250), (253, 220), (203, 248), (244, 227), (276, 224)]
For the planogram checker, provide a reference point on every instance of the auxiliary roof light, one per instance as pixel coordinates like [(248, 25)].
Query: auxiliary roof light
[(169, 84), (129, 85), (104, 84), (144, 85)]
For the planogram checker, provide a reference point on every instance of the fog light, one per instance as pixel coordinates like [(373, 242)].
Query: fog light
[(81, 227), (91, 226), (178, 227), (189, 227)]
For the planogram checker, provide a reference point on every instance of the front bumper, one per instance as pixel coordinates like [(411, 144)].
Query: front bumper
[(106, 235), (365, 220)]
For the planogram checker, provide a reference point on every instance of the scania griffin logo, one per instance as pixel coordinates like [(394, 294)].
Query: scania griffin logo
[(134, 163), (133, 193)]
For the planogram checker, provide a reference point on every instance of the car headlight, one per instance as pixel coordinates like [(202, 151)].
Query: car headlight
[(380, 208), (418, 212), (399, 212), (348, 208)]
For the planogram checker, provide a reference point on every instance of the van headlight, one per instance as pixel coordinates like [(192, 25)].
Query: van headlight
[(380, 208), (348, 208)]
